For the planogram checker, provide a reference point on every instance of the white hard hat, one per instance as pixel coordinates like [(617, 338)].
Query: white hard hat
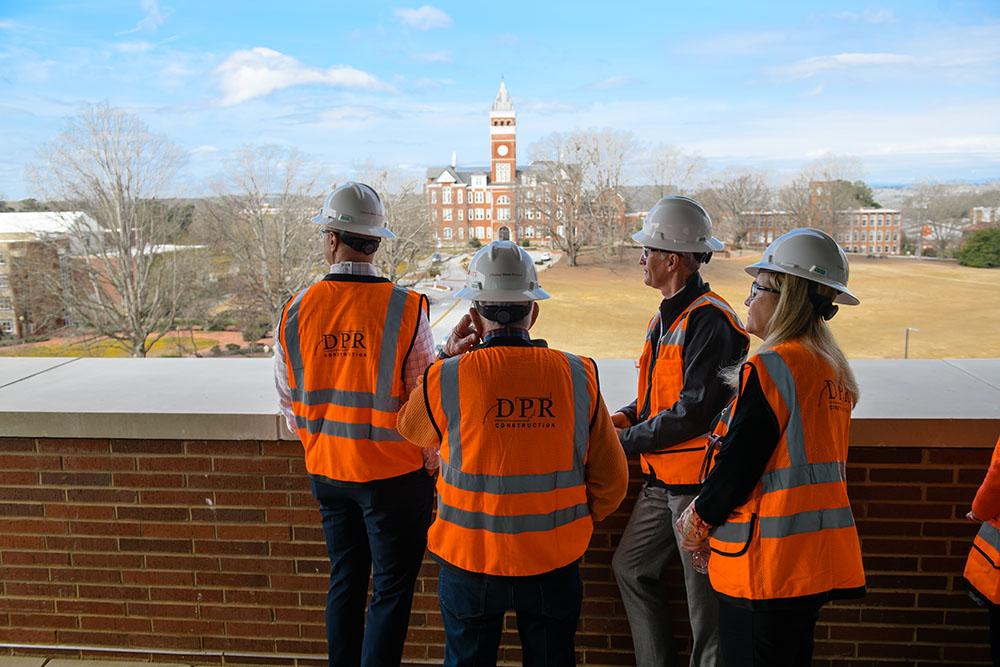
[(355, 208), (502, 271), (678, 224), (811, 254)]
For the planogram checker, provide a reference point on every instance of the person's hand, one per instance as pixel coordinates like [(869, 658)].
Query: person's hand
[(691, 530), (463, 337), (620, 421)]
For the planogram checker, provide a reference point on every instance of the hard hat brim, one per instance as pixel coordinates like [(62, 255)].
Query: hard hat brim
[(512, 296), (712, 244), (353, 228), (844, 295)]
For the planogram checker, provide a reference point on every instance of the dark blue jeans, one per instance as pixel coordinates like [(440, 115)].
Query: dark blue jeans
[(547, 608), (378, 528)]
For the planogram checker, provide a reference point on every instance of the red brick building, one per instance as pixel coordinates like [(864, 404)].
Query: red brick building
[(482, 202), (874, 231)]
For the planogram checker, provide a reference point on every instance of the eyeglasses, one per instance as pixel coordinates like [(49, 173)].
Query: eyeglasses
[(646, 250), (756, 289)]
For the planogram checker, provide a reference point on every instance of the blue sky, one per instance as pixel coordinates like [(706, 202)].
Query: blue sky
[(911, 89)]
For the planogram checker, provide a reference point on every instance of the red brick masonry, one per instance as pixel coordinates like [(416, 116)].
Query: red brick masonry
[(193, 546)]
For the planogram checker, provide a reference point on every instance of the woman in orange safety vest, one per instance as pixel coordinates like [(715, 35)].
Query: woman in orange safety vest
[(774, 508), (982, 569)]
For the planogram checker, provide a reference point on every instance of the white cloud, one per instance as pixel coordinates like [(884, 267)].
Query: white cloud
[(613, 82), (425, 18), (439, 57), (154, 17), (260, 71), (803, 69), (869, 16), (134, 47), (815, 91)]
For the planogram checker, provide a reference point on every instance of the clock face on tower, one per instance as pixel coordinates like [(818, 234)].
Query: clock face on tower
[(502, 150)]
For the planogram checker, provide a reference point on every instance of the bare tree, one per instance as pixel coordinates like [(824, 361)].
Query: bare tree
[(406, 213), (261, 208), (936, 211), (823, 192), (129, 283), (729, 199), (670, 171), (573, 187)]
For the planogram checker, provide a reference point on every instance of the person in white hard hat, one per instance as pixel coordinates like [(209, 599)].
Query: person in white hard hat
[(783, 540), (529, 460), (348, 351), (693, 335)]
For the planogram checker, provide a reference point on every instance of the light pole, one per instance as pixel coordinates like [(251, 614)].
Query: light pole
[(906, 341)]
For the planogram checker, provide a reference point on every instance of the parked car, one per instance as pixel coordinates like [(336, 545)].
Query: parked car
[(546, 257)]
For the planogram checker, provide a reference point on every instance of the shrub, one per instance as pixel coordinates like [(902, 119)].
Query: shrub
[(474, 242), (232, 347), (525, 243), (981, 249)]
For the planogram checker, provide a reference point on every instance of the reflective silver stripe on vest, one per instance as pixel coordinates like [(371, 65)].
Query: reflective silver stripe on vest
[(733, 532), (346, 399), (581, 411), (503, 484), (806, 522), (293, 349), (782, 377), (450, 394), (390, 341), (382, 399), (348, 430), (989, 534), (512, 525), (812, 473)]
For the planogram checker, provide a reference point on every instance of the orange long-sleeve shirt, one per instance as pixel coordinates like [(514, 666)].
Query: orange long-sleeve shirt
[(986, 505)]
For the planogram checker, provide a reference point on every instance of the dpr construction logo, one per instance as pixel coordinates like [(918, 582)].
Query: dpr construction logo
[(522, 412), (343, 344)]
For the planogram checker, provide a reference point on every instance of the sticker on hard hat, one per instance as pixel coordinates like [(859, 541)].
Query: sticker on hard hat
[(344, 218), (820, 270)]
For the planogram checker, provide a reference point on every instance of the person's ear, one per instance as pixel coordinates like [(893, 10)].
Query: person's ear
[(534, 314)]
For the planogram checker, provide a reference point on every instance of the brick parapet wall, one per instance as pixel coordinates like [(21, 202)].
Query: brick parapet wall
[(205, 547)]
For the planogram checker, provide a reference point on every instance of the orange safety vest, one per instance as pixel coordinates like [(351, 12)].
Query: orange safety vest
[(346, 339), (679, 463), (795, 536), (982, 569), (514, 424)]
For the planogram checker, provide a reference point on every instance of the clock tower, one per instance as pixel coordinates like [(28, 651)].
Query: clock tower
[(502, 139)]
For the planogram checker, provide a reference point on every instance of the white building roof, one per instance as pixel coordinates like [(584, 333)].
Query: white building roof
[(43, 223)]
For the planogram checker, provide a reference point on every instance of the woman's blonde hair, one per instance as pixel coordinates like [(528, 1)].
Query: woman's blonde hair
[(796, 318)]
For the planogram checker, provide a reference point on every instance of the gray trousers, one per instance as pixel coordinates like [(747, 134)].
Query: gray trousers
[(646, 547)]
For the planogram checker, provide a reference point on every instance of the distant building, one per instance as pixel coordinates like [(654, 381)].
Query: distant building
[(32, 244), (508, 202), (872, 231), (481, 202), (988, 216)]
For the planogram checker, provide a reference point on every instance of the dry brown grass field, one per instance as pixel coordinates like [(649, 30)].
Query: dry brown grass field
[(601, 308)]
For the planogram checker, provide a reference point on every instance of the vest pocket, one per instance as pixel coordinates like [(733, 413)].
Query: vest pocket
[(735, 534)]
